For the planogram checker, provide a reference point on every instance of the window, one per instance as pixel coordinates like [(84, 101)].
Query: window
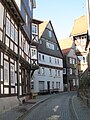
[(73, 61), (50, 59), (70, 60), (1, 15), (53, 85), (26, 20), (6, 73), (50, 72), (43, 57), (39, 71), (12, 75), (32, 85), (58, 61), (24, 44), (34, 28), (33, 52), (43, 71), (7, 41), (50, 33), (55, 72), (61, 62), (15, 49), (57, 48), (64, 70), (55, 60), (12, 31), (1, 74), (74, 82), (8, 27), (1, 88), (40, 57), (83, 40), (40, 41), (80, 58), (50, 45), (1, 58), (57, 85), (11, 45), (16, 36), (84, 59), (30, 5), (59, 73), (70, 71)]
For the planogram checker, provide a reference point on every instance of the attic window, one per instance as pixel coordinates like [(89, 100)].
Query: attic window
[(57, 48), (83, 37), (50, 33), (50, 45)]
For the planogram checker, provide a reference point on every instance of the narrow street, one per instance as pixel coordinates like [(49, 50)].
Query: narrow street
[(58, 107)]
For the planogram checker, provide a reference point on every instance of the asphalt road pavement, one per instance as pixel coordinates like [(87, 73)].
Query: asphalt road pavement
[(59, 107)]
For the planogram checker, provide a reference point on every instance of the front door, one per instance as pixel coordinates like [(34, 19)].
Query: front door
[(23, 82), (48, 86)]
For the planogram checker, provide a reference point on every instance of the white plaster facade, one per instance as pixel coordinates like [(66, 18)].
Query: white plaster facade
[(55, 79), (49, 76)]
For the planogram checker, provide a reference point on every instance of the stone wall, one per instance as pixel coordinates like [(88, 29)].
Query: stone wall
[(85, 96)]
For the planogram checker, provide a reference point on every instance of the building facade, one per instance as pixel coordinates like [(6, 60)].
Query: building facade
[(16, 63), (70, 70), (80, 36), (49, 77)]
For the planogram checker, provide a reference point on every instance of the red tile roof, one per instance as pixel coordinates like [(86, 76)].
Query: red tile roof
[(66, 51)]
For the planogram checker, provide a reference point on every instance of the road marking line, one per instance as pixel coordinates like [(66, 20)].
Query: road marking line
[(55, 108), (54, 117)]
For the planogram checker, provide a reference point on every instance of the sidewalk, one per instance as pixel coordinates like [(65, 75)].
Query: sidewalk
[(82, 112), (17, 112)]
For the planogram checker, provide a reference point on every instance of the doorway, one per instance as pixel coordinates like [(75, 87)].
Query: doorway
[(48, 86)]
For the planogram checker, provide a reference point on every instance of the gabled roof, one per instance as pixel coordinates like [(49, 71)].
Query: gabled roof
[(42, 27), (66, 51), (80, 26), (66, 43)]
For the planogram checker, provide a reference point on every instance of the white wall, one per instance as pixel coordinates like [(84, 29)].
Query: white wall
[(46, 60), (47, 77)]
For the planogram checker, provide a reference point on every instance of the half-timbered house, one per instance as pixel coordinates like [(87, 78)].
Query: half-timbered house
[(16, 63)]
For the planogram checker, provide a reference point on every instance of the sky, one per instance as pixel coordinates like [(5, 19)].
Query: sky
[(62, 14)]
